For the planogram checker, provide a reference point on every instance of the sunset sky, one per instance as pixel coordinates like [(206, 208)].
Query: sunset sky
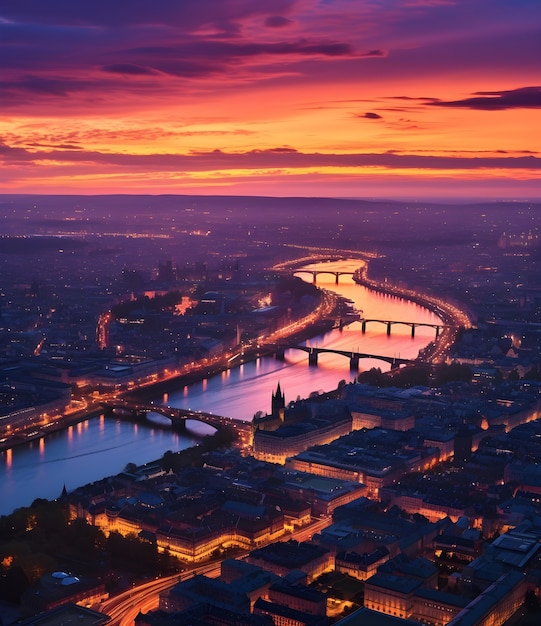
[(340, 98)]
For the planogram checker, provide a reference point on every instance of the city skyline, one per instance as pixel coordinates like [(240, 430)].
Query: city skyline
[(410, 98)]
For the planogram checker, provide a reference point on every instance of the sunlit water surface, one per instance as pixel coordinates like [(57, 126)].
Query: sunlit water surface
[(103, 446)]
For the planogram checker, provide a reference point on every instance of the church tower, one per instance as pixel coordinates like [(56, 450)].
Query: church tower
[(278, 403)]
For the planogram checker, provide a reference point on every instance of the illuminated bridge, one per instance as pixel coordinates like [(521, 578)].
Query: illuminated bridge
[(138, 411), (316, 273), (414, 325), (354, 357)]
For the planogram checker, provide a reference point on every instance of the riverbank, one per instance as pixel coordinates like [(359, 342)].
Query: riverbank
[(61, 423), (449, 314), (153, 390), (331, 308), (452, 316), (105, 444), (319, 322)]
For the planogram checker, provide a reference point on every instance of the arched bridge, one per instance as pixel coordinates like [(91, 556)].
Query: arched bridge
[(354, 357), (316, 273), (179, 417), (414, 325)]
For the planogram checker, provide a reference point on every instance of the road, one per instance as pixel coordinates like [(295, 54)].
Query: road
[(124, 607)]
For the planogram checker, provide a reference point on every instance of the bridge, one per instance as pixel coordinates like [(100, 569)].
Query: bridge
[(139, 411), (414, 325), (354, 357), (316, 273)]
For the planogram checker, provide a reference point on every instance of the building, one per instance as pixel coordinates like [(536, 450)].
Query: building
[(247, 578), (463, 446), (361, 566), (324, 494), (282, 557), (278, 404), (372, 417), (391, 594), (414, 502), (282, 615), (202, 614), (299, 598), (200, 589), (276, 446), (67, 613), (27, 402), (405, 597), (58, 588), (496, 604), (375, 457), (367, 617)]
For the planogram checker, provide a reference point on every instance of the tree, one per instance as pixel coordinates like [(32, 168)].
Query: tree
[(452, 373), (374, 377), (13, 584), (168, 461), (84, 541)]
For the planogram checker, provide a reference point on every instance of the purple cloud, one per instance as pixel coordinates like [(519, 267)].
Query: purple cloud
[(225, 50), (415, 98), (277, 21), (46, 85), (66, 146), (126, 12), (204, 58), (128, 68), (522, 98), (370, 116), (278, 158)]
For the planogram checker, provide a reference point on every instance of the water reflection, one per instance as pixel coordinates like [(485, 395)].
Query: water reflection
[(104, 446), (248, 388)]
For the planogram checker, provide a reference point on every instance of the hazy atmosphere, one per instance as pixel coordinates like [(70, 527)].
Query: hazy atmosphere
[(270, 313)]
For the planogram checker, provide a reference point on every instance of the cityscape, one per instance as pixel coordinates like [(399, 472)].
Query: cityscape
[(270, 313)]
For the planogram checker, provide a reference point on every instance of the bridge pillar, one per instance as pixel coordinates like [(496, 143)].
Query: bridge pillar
[(314, 279), (336, 281), (437, 331), (279, 354), (395, 365), (363, 328), (312, 358), (139, 416), (178, 425), (388, 328), (354, 363), (412, 331)]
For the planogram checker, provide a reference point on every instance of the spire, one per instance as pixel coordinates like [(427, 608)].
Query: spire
[(278, 403)]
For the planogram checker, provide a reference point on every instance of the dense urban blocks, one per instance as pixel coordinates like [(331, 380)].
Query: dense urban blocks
[(414, 492)]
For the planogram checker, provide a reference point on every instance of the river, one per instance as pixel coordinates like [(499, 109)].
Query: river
[(103, 446)]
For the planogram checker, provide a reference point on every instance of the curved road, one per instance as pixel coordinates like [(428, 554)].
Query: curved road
[(124, 607)]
